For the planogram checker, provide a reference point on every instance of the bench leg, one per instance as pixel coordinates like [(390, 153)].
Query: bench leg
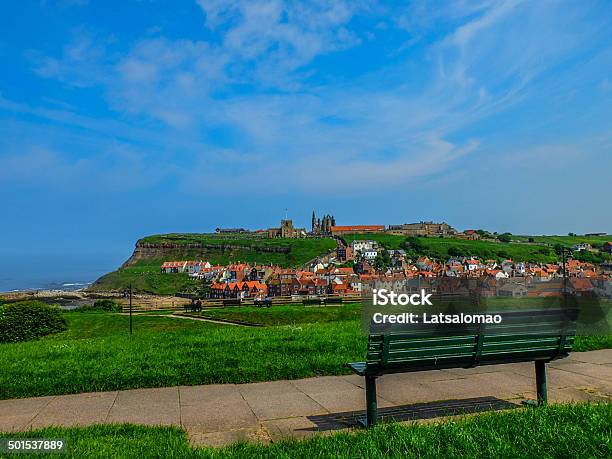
[(371, 404), (541, 386)]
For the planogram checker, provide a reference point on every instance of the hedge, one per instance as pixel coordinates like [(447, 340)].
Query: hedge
[(28, 320)]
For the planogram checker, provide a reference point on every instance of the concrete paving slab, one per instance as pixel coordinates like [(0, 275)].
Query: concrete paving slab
[(218, 439), (500, 384), (601, 372), (354, 379), (23, 406), (269, 387), (602, 356), (347, 400), (322, 384), (147, 406), (287, 405), (403, 394), (75, 410), (195, 395), (521, 368), (17, 414), (9, 423), (218, 416), (301, 427), (559, 379), (571, 394)]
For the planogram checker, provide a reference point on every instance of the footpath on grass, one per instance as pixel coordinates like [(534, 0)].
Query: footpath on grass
[(270, 411)]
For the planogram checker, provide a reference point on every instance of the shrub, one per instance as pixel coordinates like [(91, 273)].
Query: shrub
[(107, 305), (101, 305), (28, 320)]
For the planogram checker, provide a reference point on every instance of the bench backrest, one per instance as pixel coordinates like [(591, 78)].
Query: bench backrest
[(399, 352)]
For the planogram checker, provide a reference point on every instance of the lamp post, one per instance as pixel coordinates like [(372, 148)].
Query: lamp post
[(563, 258), (130, 308)]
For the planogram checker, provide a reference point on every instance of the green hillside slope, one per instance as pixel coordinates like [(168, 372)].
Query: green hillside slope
[(142, 270)]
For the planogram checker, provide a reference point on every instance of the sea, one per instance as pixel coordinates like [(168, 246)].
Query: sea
[(53, 272), (11, 285)]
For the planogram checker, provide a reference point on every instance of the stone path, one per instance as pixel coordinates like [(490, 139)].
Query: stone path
[(268, 411)]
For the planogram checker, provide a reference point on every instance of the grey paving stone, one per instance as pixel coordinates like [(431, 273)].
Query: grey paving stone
[(571, 394), (322, 384), (224, 414), (601, 372), (559, 378), (346, 400), (285, 405), (218, 439), (301, 427), (17, 414), (354, 379), (75, 410), (406, 393), (602, 356), (15, 423), (520, 368), (147, 406), (23, 406), (268, 387), (194, 395)]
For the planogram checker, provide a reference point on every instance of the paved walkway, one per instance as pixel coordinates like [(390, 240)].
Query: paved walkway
[(221, 414)]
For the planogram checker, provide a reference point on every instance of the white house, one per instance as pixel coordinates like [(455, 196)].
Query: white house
[(362, 246), (471, 264)]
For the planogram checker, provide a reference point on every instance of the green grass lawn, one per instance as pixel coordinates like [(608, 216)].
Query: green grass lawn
[(285, 315), (581, 430), (97, 353)]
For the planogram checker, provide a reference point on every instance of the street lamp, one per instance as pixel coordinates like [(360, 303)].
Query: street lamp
[(126, 293)]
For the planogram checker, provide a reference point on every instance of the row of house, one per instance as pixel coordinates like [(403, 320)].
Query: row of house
[(506, 278)]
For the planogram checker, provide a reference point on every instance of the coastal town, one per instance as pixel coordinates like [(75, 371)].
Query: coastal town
[(359, 265)]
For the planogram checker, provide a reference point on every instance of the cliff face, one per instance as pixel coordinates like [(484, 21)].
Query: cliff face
[(175, 251), (142, 270)]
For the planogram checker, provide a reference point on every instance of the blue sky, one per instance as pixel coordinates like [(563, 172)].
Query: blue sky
[(121, 119)]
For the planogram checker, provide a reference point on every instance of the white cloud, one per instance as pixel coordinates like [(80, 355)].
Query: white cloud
[(388, 128)]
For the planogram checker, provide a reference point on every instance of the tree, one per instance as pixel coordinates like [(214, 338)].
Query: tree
[(506, 237), (414, 243), (455, 251), (382, 260)]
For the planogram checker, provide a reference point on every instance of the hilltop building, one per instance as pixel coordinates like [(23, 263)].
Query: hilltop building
[(322, 225), (352, 229), (422, 229), (286, 230)]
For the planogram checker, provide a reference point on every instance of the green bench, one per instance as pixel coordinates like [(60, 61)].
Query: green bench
[(409, 352)]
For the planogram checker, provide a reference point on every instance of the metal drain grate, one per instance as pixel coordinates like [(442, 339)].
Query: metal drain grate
[(414, 412)]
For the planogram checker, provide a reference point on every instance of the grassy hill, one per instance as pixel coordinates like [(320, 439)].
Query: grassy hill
[(142, 270), (539, 251)]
